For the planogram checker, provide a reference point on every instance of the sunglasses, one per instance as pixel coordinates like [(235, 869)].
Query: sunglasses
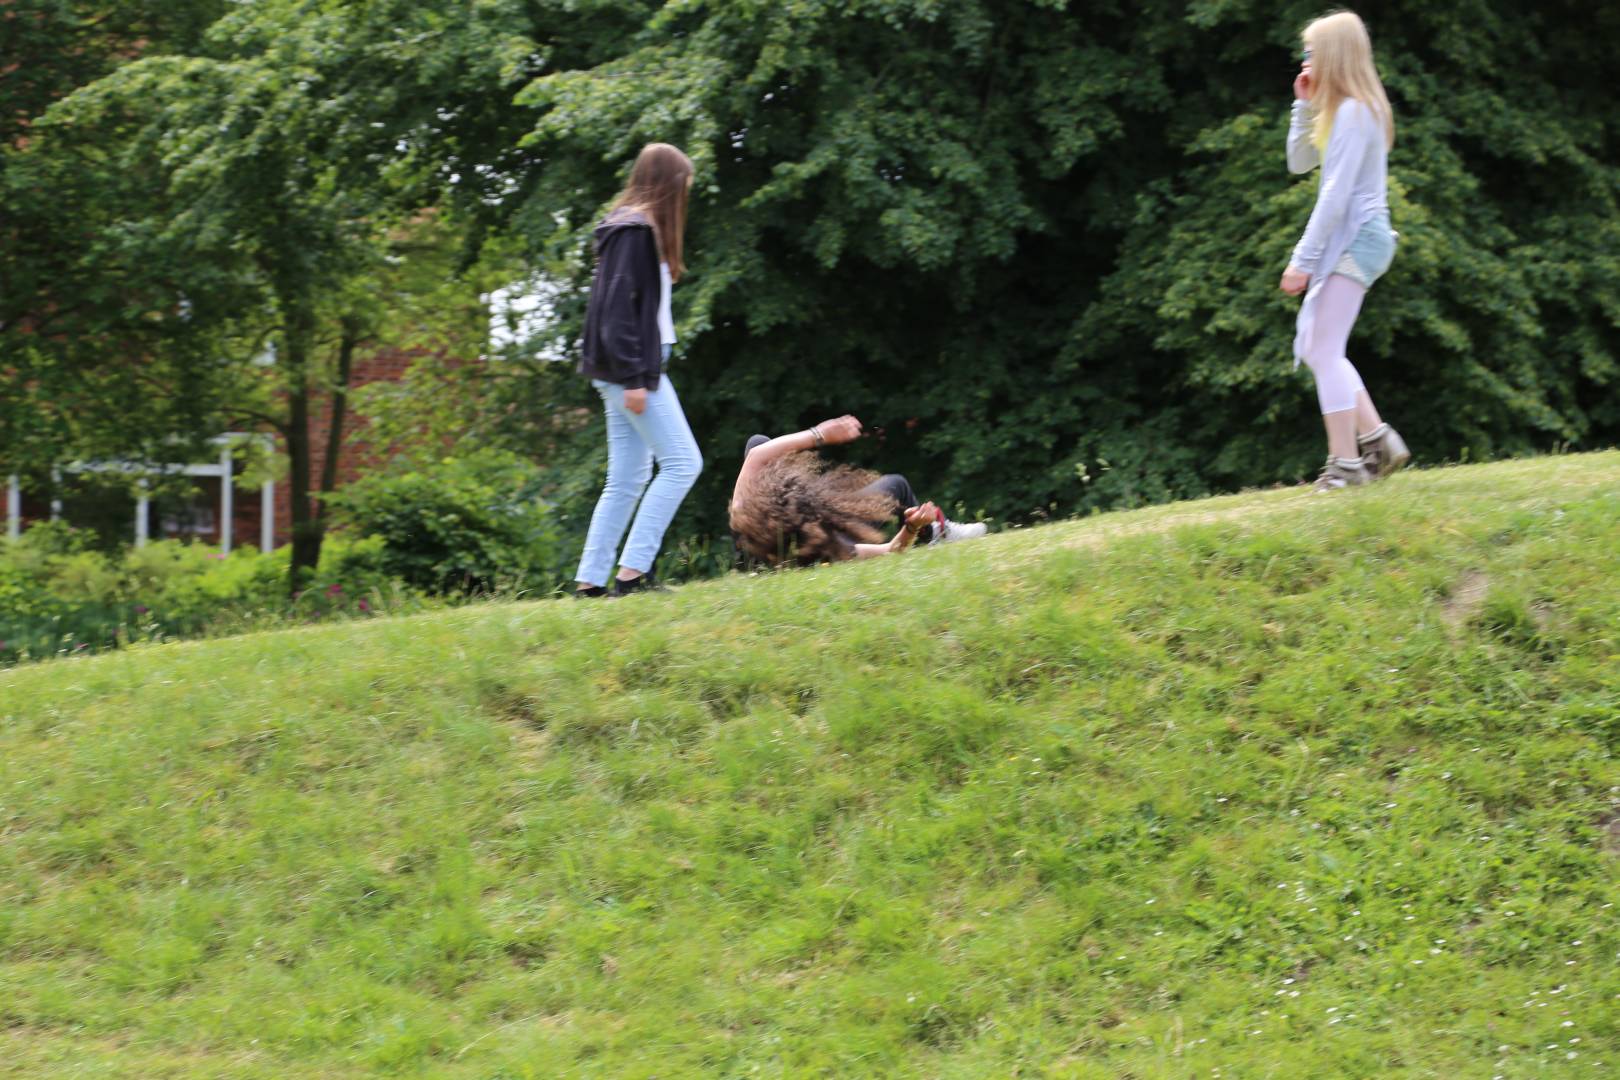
[(1306, 55)]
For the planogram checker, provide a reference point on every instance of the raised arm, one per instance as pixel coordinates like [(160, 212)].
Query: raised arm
[(1302, 154), (827, 433)]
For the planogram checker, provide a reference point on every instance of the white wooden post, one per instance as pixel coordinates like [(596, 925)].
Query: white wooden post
[(13, 508), (142, 513), (267, 516), (227, 501)]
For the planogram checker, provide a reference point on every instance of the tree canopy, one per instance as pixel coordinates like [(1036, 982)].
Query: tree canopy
[(1035, 244)]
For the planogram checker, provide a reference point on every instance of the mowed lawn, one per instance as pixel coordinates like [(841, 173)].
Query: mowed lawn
[(1264, 786)]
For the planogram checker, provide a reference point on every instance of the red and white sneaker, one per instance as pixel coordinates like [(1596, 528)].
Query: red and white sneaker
[(949, 532)]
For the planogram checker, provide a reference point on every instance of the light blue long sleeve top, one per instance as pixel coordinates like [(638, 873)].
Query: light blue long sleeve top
[(1354, 191)]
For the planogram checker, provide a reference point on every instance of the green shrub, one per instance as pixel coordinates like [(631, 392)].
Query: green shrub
[(472, 523), (57, 596)]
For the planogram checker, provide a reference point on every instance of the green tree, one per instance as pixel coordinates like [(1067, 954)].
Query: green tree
[(271, 180), (67, 302), (1038, 246)]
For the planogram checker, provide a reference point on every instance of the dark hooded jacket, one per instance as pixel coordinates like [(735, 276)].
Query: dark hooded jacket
[(621, 320)]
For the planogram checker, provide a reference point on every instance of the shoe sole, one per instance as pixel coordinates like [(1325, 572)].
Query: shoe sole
[(1393, 463), (1397, 455)]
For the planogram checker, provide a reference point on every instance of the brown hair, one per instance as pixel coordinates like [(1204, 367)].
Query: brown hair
[(657, 188), (799, 506)]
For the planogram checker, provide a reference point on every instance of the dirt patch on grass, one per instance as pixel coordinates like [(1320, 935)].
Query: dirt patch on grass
[(1609, 836), (1465, 600), (525, 719)]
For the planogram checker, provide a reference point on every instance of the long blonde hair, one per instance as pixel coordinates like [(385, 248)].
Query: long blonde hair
[(1342, 67), (657, 188)]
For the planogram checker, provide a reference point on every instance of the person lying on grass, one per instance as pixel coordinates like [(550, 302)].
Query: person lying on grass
[(790, 504)]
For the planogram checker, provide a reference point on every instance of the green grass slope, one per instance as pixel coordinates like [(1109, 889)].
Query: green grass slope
[(1264, 786)]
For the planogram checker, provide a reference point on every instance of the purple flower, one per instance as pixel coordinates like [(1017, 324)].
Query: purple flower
[(363, 606), (333, 590), (141, 609)]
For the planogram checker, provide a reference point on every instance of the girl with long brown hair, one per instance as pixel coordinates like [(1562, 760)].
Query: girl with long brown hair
[(1342, 121), (791, 505), (629, 334)]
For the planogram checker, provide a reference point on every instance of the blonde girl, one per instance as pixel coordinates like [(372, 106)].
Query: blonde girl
[(1342, 122)]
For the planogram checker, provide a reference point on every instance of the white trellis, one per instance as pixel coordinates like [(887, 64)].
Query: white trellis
[(221, 469)]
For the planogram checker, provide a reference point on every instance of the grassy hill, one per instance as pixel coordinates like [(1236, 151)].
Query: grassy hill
[(1264, 786)]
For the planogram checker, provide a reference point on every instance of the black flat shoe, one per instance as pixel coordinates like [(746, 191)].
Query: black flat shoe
[(644, 583), (590, 593)]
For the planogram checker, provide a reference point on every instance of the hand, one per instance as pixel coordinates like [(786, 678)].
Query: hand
[(1294, 281), (1302, 83), (636, 400), (916, 518), (842, 430)]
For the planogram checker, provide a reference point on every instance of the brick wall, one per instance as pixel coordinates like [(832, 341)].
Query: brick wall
[(357, 455)]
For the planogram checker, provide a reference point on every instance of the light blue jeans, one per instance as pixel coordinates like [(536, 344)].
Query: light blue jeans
[(660, 434)]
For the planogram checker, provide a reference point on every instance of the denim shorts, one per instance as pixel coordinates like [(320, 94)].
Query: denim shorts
[(1369, 254)]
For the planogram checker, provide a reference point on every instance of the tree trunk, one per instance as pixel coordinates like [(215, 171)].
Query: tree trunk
[(340, 411), (307, 529)]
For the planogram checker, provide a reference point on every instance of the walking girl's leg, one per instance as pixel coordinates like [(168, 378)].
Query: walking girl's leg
[(630, 462), (1367, 418), (664, 429), (1338, 385)]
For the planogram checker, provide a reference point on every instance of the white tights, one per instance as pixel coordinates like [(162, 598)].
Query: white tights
[(1337, 381)]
